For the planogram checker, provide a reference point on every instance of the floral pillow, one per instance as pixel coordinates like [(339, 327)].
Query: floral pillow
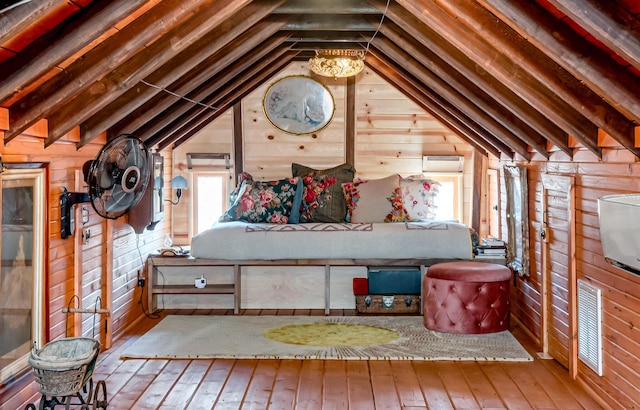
[(323, 199), (243, 176), (268, 201), (376, 200), (418, 195)]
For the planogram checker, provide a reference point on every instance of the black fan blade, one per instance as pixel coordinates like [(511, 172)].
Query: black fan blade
[(132, 155), (119, 200), (105, 179)]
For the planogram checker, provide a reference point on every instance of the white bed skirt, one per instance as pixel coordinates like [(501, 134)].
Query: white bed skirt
[(401, 240)]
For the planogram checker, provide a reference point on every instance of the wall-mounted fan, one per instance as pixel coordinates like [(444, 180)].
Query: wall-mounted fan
[(117, 179)]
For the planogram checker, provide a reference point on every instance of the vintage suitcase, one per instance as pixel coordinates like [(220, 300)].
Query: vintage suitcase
[(394, 280), (388, 303)]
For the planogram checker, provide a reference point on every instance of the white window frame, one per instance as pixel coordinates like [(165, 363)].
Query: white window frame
[(458, 187), (194, 183)]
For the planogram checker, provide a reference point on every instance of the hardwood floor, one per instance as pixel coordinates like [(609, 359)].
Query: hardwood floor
[(332, 384)]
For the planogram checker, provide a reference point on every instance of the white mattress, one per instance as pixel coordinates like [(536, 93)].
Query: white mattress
[(410, 240)]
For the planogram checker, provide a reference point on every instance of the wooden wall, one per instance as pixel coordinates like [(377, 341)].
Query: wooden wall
[(113, 251), (392, 135), (617, 172)]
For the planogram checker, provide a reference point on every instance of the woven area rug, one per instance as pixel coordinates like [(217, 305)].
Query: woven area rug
[(243, 337)]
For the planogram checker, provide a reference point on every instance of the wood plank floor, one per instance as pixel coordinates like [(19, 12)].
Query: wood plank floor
[(332, 384)]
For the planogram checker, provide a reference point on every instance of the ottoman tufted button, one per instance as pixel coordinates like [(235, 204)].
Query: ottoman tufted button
[(476, 294)]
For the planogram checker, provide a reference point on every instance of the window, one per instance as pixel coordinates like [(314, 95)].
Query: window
[(210, 198), (448, 202)]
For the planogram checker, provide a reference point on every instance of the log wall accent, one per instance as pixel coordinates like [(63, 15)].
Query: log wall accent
[(618, 173)]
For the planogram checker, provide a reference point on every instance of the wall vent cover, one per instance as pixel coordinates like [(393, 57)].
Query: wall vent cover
[(590, 326)]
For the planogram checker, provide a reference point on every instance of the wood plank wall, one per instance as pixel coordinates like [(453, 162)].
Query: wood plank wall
[(392, 135), (64, 164), (618, 172)]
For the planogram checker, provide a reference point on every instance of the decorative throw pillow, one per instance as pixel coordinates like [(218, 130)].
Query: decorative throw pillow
[(376, 200), (418, 194), (323, 199), (268, 201), (243, 176)]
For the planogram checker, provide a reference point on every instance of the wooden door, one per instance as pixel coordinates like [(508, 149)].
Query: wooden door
[(558, 268)]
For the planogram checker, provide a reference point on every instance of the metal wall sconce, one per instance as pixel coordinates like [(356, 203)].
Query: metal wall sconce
[(178, 183)]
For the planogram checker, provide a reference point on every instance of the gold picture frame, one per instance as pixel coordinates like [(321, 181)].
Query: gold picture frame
[(298, 104)]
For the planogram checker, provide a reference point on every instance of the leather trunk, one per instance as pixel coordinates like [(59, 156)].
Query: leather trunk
[(388, 303)]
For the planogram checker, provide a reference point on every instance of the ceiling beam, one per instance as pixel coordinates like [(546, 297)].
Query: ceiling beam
[(311, 37), (565, 85), (19, 18), (488, 58), (83, 73), (438, 90), (328, 22), (607, 21), (445, 61), (207, 31), (469, 131), (326, 7), (171, 117), (464, 93), (181, 82), (62, 42), (591, 65), (232, 93)]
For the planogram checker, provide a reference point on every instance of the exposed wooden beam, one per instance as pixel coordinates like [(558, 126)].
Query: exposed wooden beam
[(504, 128), (327, 22), (607, 21), (468, 131), (441, 105), (61, 43), (233, 93), (488, 58), (588, 63), (224, 95), (445, 61), (171, 117), (564, 84), (310, 39), (170, 77), (326, 7), (80, 75), (207, 31), (350, 123), (18, 18), (238, 137)]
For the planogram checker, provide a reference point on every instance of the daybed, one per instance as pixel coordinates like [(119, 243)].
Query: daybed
[(332, 246), (301, 240), (332, 241)]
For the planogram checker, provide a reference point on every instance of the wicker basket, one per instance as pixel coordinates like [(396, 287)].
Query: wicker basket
[(62, 367)]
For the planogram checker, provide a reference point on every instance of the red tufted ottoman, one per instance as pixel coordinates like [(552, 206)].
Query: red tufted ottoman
[(466, 297)]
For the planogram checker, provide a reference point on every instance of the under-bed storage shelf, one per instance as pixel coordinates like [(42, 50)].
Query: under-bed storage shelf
[(157, 262), (188, 289)]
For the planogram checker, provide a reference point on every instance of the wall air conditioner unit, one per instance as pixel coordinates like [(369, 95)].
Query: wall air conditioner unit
[(619, 217), (442, 163)]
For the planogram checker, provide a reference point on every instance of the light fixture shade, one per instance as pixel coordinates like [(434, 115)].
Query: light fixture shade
[(179, 182), (337, 63)]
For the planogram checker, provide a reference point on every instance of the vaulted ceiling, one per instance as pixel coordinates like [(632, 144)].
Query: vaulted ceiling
[(509, 76)]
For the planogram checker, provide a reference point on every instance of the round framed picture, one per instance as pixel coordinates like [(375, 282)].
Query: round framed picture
[(298, 105)]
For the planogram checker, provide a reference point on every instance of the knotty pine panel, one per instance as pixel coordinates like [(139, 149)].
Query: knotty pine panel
[(620, 289), (322, 149)]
